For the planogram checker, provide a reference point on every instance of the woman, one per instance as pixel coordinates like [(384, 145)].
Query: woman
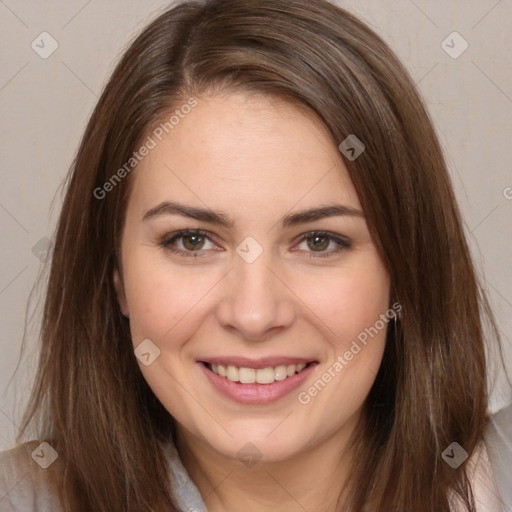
[(261, 295)]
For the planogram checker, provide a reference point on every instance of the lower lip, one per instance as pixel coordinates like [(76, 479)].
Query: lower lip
[(257, 393)]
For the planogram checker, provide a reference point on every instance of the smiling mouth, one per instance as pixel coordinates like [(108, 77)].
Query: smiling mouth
[(268, 375)]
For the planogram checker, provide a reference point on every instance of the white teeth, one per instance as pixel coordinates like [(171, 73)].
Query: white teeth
[(264, 375), (280, 372), (261, 375), (232, 373), (247, 375)]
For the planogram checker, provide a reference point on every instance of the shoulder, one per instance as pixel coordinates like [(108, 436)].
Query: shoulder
[(483, 479), (483, 482), (499, 446), (26, 478)]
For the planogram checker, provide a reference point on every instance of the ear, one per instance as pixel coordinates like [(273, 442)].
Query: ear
[(121, 295)]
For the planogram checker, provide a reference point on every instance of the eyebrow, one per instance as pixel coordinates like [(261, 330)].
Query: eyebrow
[(221, 219)]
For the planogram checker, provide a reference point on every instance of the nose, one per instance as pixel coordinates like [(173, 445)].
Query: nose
[(256, 301)]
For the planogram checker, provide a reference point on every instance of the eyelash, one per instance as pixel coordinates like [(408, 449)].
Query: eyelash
[(166, 242)]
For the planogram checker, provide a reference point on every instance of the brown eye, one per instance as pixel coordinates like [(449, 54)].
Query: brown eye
[(188, 243), (318, 242), (193, 242)]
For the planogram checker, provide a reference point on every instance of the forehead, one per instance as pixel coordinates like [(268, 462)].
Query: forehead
[(243, 150)]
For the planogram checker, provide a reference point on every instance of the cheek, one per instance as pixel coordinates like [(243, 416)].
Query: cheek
[(360, 323), (352, 301), (354, 308), (160, 297)]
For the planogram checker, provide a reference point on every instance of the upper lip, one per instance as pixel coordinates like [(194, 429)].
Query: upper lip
[(263, 362)]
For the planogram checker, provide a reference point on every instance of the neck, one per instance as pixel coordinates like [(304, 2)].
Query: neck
[(313, 479)]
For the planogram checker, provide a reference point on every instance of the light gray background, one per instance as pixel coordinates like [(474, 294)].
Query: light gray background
[(45, 104)]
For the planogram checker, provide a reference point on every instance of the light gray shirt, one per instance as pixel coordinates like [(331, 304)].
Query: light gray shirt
[(25, 486)]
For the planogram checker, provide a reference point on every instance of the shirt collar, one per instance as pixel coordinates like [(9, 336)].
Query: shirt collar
[(185, 491)]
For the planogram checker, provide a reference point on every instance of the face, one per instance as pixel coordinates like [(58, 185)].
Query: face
[(256, 288)]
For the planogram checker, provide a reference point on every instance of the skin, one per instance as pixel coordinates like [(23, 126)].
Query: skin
[(256, 159)]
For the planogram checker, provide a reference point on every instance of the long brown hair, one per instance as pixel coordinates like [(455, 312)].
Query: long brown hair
[(90, 400)]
